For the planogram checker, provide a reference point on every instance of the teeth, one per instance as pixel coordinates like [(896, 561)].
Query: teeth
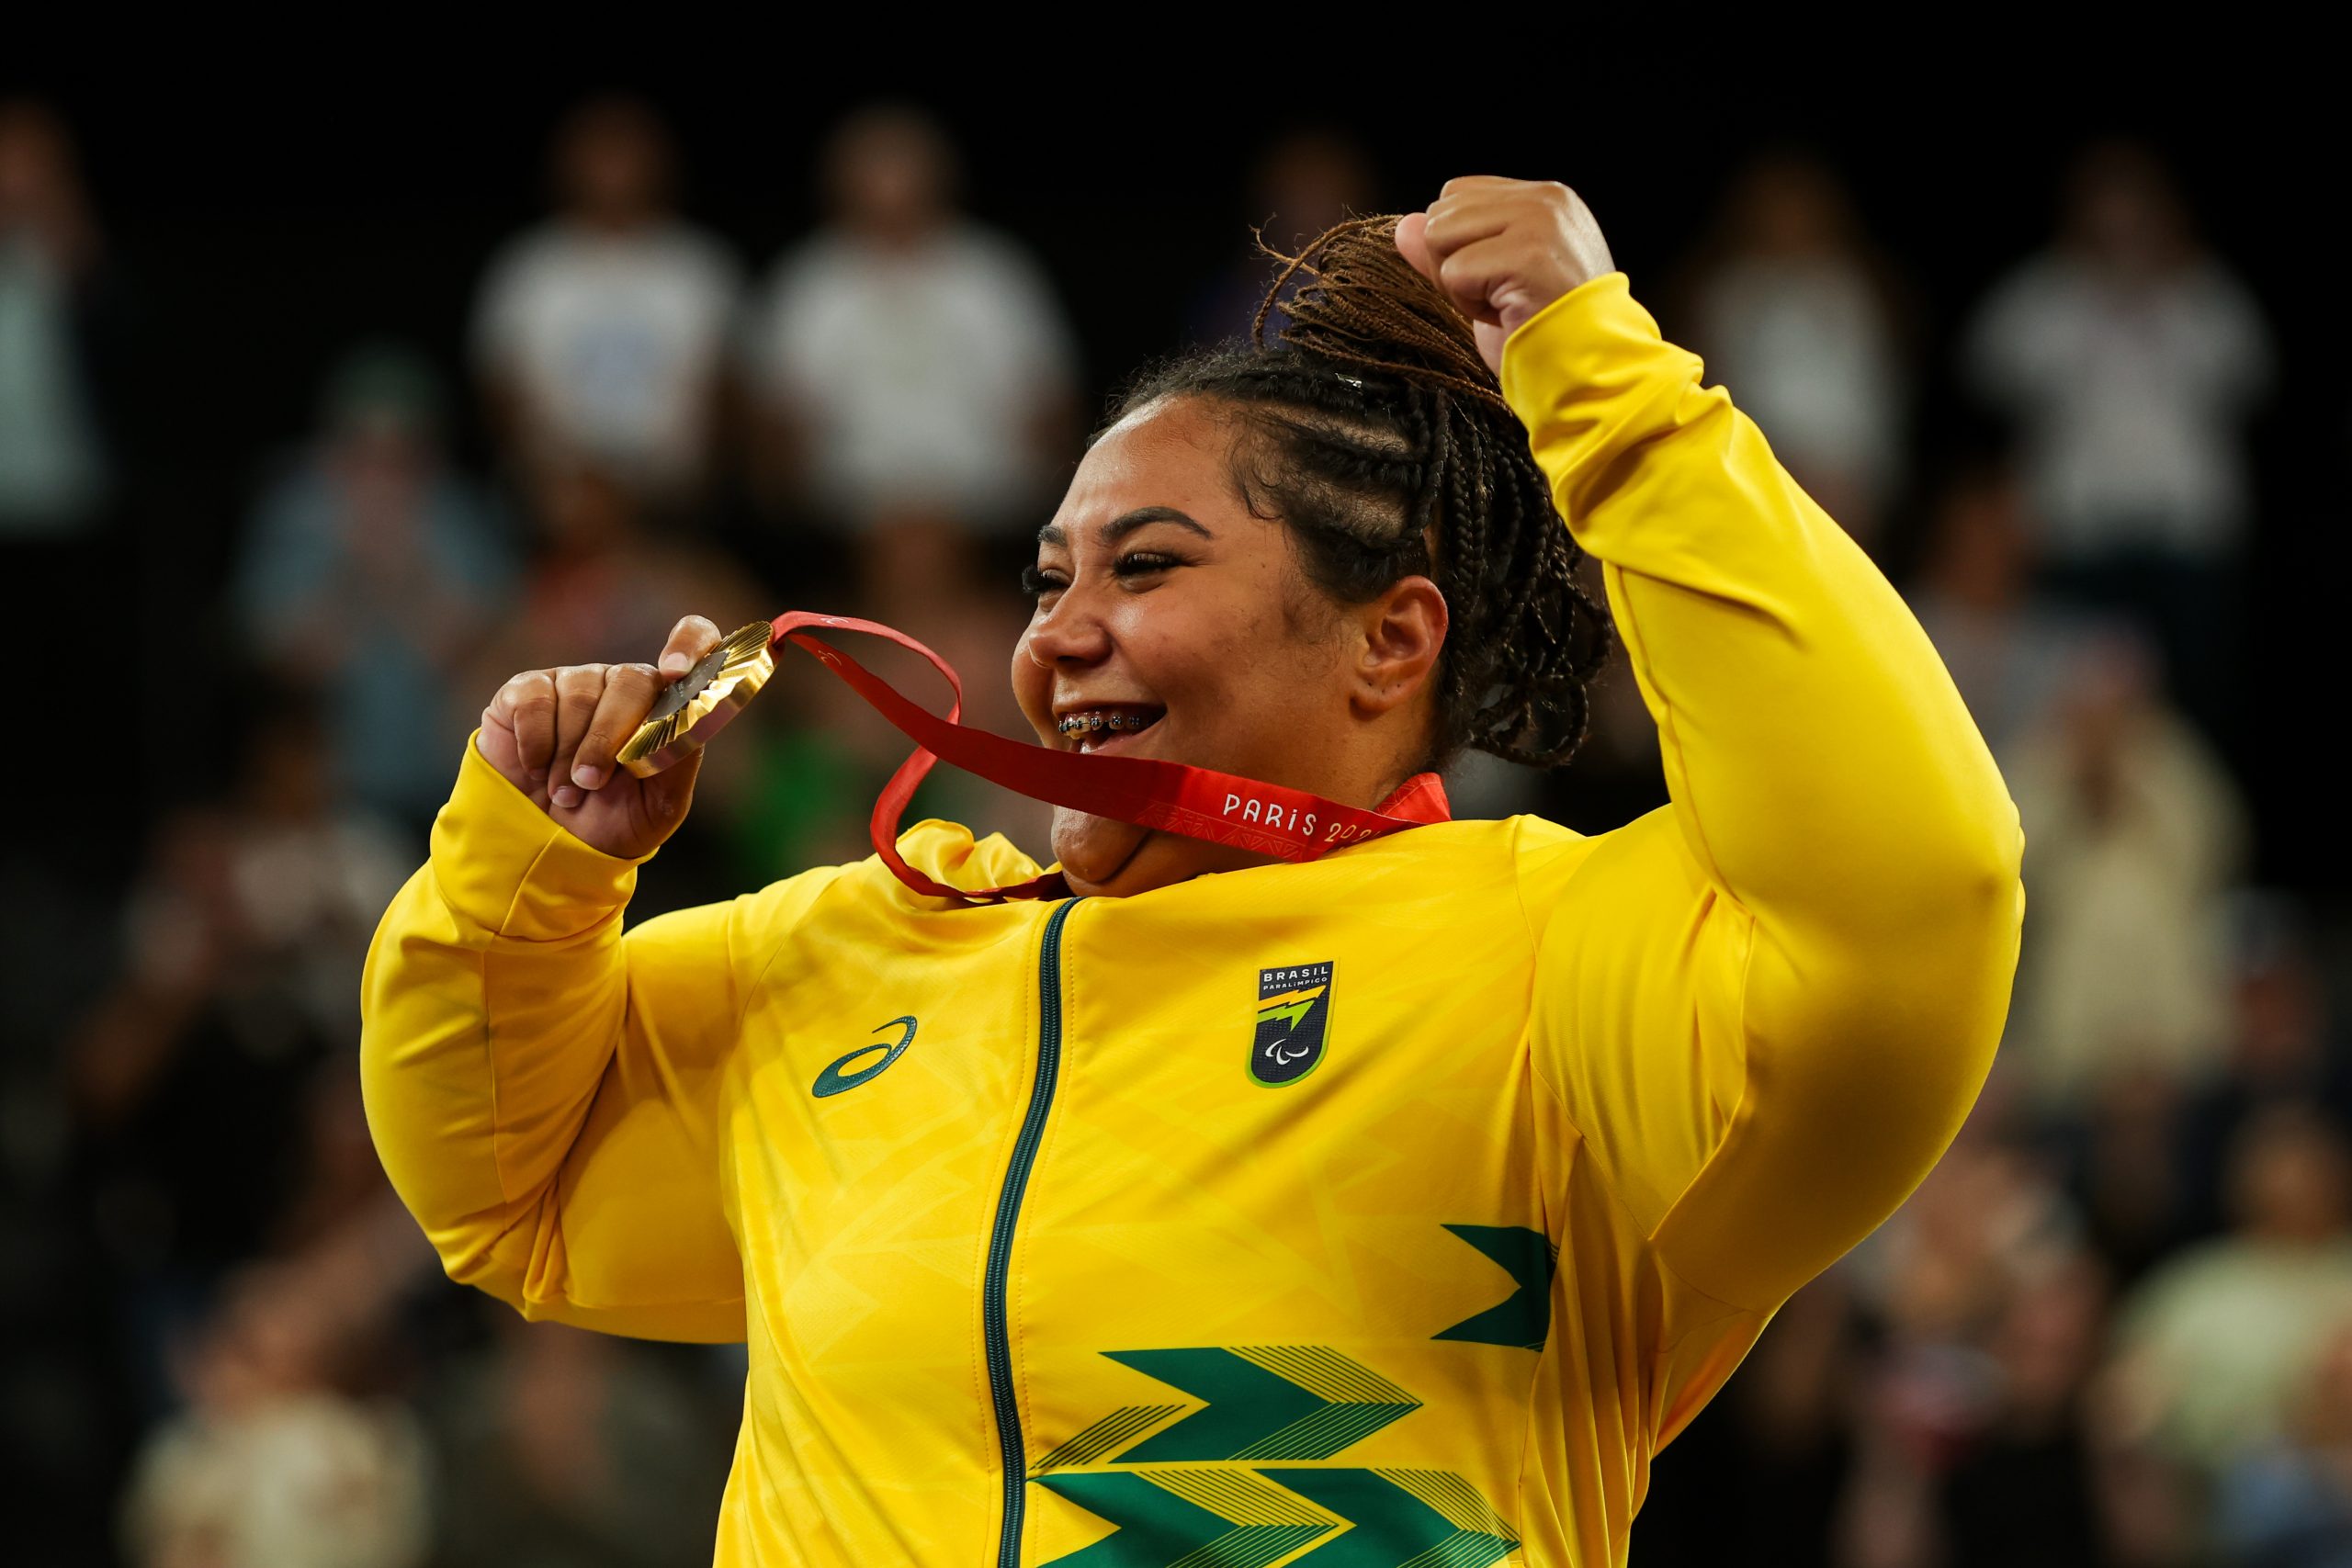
[(1092, 723)]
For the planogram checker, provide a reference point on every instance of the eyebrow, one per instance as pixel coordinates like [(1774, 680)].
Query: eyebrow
[(1119, 528)]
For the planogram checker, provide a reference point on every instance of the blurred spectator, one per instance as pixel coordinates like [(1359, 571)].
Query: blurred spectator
[(338, 1184), (2024, 1489), (2285, 1048), (1301, 186), (601, 585), (2131, 358), (2120, 1146), (2133, 833), (1978, 1438), (2215, 1348), (1939, 1406), (53, 462), (1797, 315), (2011, 650), (370, 574), (1987, 1219), (600, 334), (269, 1466), (2292, 1507), (242, 944), (562, 1449), (916, 371)]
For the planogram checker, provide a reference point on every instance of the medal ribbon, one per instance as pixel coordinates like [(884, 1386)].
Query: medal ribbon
[(1174, 797)]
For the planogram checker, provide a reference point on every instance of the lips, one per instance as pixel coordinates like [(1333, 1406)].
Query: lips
[(1097, 727)]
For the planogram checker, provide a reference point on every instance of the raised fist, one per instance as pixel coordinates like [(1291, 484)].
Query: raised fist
[(1503, 250)]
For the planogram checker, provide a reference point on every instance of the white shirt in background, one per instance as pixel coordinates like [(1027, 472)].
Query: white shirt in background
[(614, 341), (2125, 968), (2132, 402), (1805, 350), (306, 1479), (51, 475), (920, 371)]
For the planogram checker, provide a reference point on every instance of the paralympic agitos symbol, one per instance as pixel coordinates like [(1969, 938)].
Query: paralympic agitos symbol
[(1294, 1022)]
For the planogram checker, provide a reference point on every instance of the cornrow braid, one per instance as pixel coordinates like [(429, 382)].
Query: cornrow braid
[(1374, 430)]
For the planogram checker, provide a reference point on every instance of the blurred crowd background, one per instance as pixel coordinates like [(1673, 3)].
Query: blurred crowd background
[(298, 459)]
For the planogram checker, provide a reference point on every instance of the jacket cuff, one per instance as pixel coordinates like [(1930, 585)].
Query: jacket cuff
[(1589, 326), (506, 866), (1590, 376)]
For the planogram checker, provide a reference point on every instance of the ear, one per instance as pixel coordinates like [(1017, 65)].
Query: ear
[(1404, 632)]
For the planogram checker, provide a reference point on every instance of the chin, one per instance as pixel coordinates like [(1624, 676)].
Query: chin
[(1125, 859)]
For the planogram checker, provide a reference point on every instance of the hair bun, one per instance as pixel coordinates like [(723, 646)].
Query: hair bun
[(1350, 296)]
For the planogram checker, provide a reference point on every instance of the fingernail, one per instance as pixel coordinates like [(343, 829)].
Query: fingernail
[(563, 794), (675, 663), (538, 775), (588, 777)]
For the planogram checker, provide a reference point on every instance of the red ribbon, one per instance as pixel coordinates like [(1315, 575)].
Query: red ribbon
[(1175, 797)]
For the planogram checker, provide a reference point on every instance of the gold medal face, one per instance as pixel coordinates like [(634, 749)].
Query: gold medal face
[(699, 704)]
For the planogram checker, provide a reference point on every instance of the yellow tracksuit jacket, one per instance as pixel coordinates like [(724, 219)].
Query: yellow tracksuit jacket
[(1393, 1209)]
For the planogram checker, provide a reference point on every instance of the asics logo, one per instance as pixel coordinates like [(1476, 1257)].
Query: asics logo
[(837, 1077)]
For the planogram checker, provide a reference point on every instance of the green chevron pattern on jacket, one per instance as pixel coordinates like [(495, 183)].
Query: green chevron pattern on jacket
[(1279, 1402), (1402, 1518), (1231, 1519), (1524, 1320), (1267, 1402), (1120, 1427), (1199, 1518)]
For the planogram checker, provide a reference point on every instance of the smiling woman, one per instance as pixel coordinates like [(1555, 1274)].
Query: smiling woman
[(1330, 562), (1396, 1205), (1187, 619)]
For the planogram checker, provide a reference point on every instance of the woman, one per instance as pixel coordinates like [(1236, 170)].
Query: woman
[(1403, 1202)]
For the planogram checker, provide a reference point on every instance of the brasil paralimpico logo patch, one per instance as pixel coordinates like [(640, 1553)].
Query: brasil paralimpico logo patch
[(1294, 1022)]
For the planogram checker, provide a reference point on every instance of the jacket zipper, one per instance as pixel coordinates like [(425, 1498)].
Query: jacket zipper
[(996, 1334)]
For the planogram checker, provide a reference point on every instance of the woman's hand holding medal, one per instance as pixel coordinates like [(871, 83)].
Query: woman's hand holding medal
[(556, 734)]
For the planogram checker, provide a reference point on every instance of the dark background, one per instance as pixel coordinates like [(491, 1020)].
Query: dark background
[(263, 229), (260, 223)]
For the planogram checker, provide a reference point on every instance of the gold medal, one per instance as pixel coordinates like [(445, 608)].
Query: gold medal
[(700, 703)]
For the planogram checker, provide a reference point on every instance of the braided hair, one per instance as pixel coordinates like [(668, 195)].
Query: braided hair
[(1369, 425)]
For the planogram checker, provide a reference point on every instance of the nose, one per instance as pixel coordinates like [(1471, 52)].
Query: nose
[(1071, 634)]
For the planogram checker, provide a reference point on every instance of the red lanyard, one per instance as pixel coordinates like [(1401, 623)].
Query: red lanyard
[(1199, 803)]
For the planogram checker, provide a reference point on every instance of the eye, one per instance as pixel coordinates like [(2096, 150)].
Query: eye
[(1037, 581), (1143, 563)]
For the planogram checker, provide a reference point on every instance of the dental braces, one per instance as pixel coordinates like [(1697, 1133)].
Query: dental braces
[(1086, 723)]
